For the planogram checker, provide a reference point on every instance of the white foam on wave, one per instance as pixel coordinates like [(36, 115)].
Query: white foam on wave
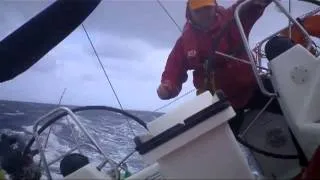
[(11, 132), (28, 128), (13, 114), (54, 150), (68, 121), (115, 139)]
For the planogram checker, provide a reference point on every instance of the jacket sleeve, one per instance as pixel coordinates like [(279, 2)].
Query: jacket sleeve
[(175, 72), (249, 14)]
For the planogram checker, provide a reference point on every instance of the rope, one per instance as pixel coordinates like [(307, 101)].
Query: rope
[(106, 75)]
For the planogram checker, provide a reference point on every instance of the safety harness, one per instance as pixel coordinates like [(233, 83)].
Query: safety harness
[(208, 64)]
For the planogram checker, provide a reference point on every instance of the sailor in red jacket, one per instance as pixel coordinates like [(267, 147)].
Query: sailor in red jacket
[(205, 19)]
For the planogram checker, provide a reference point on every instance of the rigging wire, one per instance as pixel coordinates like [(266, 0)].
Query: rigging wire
[(176, 99), (59, 103), (106, 75), (290, 24), (50, 129), (168, 14), (157, 109), (241, 141), (180, 29)]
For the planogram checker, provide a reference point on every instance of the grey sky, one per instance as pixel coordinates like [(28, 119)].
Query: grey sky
[(133, 39)]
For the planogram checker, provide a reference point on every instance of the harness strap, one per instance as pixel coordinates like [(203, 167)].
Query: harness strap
[(208, 64)]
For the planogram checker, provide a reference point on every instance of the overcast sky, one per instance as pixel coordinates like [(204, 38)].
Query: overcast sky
[(133, 39)]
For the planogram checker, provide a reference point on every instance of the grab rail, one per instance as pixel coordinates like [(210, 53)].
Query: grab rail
[(247, 46)]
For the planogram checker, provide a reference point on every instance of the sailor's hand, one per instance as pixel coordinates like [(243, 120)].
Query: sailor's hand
[(164, 90)]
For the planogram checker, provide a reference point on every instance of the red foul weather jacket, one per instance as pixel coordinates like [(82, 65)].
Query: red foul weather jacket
[(192, 48)]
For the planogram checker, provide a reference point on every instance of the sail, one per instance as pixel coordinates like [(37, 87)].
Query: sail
[(25, 46)]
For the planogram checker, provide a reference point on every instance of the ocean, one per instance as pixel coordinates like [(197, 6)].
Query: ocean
[(111, 130)]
